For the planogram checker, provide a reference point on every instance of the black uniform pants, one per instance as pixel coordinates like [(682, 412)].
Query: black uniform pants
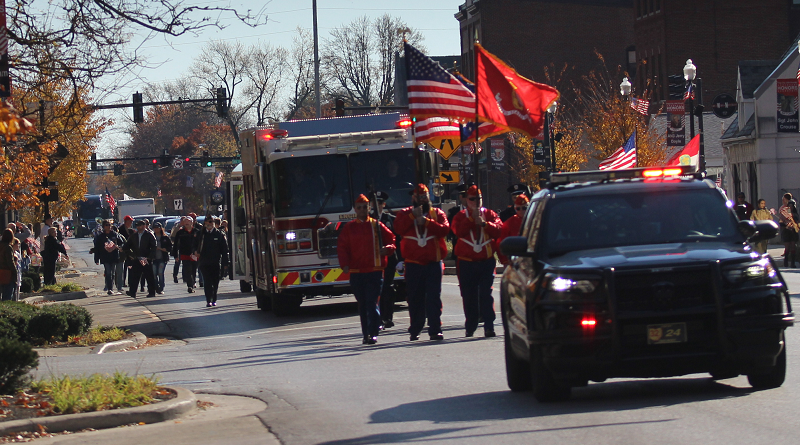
[(138, 272), (211, 282)]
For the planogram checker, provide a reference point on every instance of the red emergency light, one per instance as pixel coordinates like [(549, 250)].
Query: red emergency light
[(588, 323), (405, 123), (274, 134)]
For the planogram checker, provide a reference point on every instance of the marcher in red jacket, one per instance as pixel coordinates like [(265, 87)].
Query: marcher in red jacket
[(477, 229), (423, 230), (363, 246), (512, 225)]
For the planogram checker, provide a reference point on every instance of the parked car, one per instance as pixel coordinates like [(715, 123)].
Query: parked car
[(639, 273)]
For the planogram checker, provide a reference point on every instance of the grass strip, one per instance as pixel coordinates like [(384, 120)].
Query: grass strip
[(97, 392)]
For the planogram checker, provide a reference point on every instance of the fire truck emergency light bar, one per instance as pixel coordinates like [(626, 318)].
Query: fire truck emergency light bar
[(559, 179), (362, 138)]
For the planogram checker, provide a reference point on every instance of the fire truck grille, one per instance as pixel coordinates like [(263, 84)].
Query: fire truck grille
[(326, 238)]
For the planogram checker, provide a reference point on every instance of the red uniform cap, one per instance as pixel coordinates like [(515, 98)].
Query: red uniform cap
[(362, 198), (521, 200), (128, 218), (421, 189), (473, 191)]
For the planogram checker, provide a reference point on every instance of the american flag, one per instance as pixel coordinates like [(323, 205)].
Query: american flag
[(624, 157), (434, 128), (433, 92), (689, 94), (640, 105), (112, 203), (218, 179), (159, 192), (718, 181)]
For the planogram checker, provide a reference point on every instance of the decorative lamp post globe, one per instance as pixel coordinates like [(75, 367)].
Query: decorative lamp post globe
[(552, 108), (625, 87), (689, 71)]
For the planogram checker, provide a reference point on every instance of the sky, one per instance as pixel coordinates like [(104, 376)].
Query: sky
[(172, 56)]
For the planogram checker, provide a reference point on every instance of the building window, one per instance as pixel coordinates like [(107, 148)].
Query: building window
[(753, 177)]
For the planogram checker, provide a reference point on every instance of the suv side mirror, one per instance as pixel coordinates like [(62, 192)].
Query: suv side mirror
[(747, 228), (764, 230), (515, 246)]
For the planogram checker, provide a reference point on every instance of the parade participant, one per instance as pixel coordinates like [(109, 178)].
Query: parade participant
[(125, 230), (183, 248), (423, 229), (362, 248), (52, 247), (199, 227), (512, 225), (163, 248), (477, 229), (147, 228), (177, 267), (107, 245), (453, 211), (141, 247), (212, 251), (387, 291), (515, 190)]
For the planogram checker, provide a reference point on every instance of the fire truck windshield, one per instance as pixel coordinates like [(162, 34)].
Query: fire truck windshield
[(390, 171), (300, 185)]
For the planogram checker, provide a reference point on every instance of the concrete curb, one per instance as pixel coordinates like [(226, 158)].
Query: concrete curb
[(138, 339), (63, 296), (157, 412)]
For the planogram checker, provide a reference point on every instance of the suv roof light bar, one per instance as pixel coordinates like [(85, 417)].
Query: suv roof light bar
[(559, 179)]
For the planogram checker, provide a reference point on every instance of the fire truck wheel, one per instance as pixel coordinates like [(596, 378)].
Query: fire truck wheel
[(283, 305), (263, 300), (245, 287)]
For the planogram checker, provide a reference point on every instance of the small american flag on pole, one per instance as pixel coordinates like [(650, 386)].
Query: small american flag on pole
[(624, 157), (689, 94), (112, 203), (218, 179), (642, 106), (434, 128)]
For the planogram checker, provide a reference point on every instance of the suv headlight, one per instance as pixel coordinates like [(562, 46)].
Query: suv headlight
[(570, 288), (760, 272)]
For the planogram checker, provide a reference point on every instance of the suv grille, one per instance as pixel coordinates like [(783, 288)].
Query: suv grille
[(667, 291)]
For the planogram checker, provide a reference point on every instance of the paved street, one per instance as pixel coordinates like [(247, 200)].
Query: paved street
[(323, 387)]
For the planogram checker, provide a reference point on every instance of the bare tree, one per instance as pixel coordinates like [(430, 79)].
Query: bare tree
[(301, 66), (389, 34), (347, 57), (265, 72)]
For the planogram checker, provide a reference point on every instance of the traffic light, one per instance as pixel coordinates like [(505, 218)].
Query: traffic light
[(207, 159), (677, 87), (155, 163), (165, 158), (138, 109), (94, 161), (222, 102), (339, 107), (118, 169)]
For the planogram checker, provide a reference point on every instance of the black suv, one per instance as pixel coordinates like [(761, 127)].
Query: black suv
[(639, 273)]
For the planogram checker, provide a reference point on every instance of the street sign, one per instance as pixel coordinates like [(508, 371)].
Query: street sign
[(177, 163), (447, 148), (724, 106), (178, 203), (449, 177), (211, 169)]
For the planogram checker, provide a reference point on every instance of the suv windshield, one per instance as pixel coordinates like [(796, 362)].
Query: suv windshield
[(390, 171), (301, 184), (598, 221)]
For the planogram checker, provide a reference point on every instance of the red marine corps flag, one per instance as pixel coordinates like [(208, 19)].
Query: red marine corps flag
[(507, 99)]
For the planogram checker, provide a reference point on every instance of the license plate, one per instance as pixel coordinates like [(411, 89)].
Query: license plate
[(659, 334)]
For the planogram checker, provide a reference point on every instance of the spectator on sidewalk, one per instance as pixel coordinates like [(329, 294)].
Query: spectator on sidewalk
[(163, 248), (8, 266), (177, 267), (107, 245), (761, 213), (52, 247), (184, 248), (45, 228), (141, 247), (212, 251)]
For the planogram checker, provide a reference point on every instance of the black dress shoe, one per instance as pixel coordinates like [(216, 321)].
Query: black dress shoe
[(414, 337), (364, 340), (388, 324), (175, 278), (151, 295), (437, 336), (372, 340), (470, 333), (190, 290), (489, 334)]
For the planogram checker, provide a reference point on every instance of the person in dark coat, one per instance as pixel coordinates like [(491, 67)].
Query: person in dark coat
[(183, 248), (52, 247), (163, 249), (107, 245), (212, 253), (387, 291), (515, 190), (125, 230), (141, 249)]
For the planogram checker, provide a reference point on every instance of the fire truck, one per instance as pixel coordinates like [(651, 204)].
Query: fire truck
[(295, 189)]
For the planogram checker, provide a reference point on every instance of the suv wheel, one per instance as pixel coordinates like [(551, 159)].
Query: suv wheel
[(546, 388), (772, 377), (518, 372)]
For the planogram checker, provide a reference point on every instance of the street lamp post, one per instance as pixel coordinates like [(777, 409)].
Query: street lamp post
[(690, 74), (550, 142), (625, 90)]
